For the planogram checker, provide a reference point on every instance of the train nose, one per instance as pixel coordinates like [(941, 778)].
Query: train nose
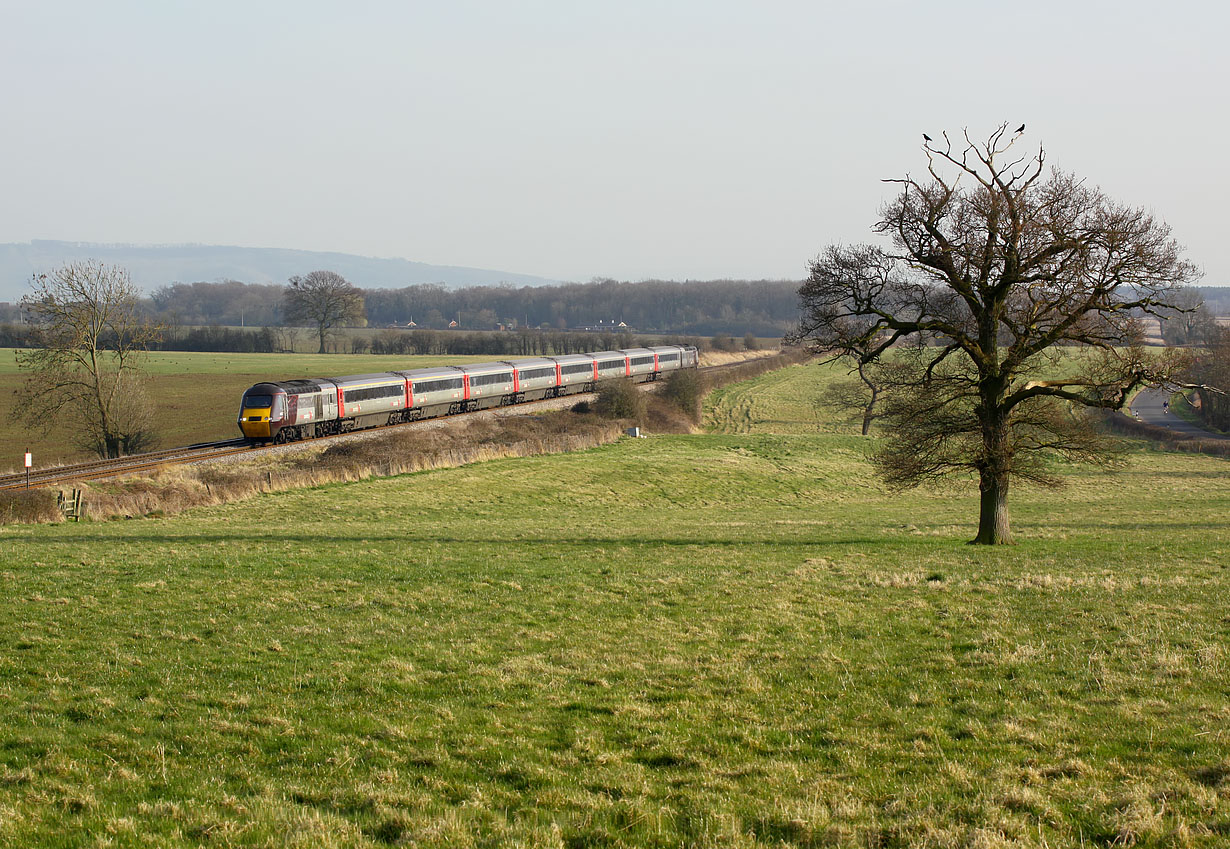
[(254, 423)]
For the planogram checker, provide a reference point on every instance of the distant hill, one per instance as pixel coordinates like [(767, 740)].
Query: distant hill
[(152, 266)]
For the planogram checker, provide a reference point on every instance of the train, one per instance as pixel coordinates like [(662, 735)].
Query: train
[(305, 408)]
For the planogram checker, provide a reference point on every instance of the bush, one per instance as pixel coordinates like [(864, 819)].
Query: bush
[(28, 506), (684, 389), (751, 343), (620, 399)]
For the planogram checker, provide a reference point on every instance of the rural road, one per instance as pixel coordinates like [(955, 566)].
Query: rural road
[(1147, 406)]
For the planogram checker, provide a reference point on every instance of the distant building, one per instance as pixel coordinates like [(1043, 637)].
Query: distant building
[(605, 327)]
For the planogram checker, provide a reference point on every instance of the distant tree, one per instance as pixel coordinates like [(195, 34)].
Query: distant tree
[(995, 270), (1191, 322), (1213, 369), (751, 343), (324, 299), (858, 396), (89, 338)]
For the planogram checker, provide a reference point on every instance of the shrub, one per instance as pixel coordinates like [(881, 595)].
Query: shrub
[(620, 399), (28, 506), (684, 389)]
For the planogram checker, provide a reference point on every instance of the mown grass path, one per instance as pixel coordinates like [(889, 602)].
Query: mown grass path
[(718, 640)]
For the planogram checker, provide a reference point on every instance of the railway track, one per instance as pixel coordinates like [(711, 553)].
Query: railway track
[(137, 463), (131, 464), (151, 461)]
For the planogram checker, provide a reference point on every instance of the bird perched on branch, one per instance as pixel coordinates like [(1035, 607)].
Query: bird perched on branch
[(926, 137), (1020, 129)]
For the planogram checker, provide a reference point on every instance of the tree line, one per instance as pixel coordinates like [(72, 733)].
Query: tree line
[(702, 308)]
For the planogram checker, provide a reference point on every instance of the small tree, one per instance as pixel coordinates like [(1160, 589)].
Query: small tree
[(325, 299), (89, 340), (996, 271), (859, 396)]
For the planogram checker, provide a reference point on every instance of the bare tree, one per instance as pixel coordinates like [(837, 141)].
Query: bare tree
[(325, 299), (89, 342), (1213, 369), (1192, 323), (1000, 277), (858, 396)]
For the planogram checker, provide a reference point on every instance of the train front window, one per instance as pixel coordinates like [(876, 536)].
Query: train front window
[(258, 400)]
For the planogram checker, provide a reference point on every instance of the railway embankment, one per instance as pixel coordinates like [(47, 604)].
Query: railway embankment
[(441, 443)]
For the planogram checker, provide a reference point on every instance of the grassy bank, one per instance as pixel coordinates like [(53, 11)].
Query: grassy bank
[(196, 396), (732, 639)]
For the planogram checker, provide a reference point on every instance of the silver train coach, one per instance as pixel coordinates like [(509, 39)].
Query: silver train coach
[(288, 410)]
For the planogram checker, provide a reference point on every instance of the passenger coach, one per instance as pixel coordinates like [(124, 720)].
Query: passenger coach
[(302, 409)]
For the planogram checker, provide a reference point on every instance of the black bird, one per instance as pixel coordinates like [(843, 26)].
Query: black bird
[(1021, 129), (926, 137)]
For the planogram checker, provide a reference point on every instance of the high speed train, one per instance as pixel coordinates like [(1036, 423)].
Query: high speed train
[(289, 410)]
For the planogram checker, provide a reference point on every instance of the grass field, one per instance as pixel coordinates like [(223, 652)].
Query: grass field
[(730, 639), (197, 395)]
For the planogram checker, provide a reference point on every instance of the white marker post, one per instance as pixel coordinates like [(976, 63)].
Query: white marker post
[(29, 463)]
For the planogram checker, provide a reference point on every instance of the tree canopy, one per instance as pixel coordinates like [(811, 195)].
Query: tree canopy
[(325, 299), (1006, 303)]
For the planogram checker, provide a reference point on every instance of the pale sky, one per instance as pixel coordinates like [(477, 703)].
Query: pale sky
[(671, 139)]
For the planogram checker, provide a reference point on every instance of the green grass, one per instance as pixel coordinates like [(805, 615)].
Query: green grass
[(732, 639), (196, 395)]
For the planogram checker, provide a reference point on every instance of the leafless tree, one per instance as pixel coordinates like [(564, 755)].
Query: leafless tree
[(858, 396), (1192, 323), (1213, 369), (89, 341), (325, 299), (1000, 276)]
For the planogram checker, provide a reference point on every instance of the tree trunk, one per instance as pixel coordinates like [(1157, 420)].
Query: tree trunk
[(322, 339), (993, 510), (995, 470)]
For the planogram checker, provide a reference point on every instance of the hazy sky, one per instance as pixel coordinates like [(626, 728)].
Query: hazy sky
[(575, 139)]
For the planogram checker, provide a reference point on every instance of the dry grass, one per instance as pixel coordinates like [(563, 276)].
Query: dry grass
[(395, 452), (28, 506)]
